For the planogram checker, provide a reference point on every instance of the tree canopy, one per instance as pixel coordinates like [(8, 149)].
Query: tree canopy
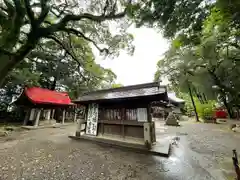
[(50, 44), (27, 25), (206, 57)]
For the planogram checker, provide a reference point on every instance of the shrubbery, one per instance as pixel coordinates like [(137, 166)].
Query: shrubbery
[(206, 110)]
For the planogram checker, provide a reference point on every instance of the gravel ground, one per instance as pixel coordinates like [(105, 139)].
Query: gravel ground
[(210, 143), (50, 154)]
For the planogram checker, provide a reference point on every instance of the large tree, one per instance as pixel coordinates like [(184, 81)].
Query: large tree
[(182, 17), (27, 24), (207, 29), (56, 70), (214, 61)]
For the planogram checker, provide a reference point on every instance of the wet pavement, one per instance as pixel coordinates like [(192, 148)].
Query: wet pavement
[(184, 163), (205, 147), (50, 154)]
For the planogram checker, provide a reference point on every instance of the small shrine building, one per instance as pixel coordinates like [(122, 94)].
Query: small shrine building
[(41, 103)]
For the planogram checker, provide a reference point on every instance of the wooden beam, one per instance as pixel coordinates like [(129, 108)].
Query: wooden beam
[(119, 122)]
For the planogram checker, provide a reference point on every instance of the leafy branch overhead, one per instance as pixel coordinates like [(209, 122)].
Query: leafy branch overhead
[(26, 24)]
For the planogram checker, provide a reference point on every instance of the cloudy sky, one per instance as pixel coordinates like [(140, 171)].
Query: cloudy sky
[(139, 68)]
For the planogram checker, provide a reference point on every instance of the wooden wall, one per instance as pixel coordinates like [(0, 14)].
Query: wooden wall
[(120, 119)]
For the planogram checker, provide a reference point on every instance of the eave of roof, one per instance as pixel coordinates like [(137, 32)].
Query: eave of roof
[(172, 97), (38, 95), (127, 92)]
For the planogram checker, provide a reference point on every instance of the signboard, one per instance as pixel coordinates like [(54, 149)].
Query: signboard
[(92, 119), (142, 114)]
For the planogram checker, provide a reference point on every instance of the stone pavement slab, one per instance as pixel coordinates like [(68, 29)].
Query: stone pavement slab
[(161, 148)]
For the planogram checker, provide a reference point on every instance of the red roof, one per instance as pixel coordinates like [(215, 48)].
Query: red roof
[(45, 96)]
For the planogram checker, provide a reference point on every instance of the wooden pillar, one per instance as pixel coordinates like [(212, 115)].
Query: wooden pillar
[(48, 114), (63, 116), (37, 117), (53, 112), (78, 131), (149, 116), (75, 116), (26, 118), (123, 118), (152, 124), (32, 115), (164, 114)]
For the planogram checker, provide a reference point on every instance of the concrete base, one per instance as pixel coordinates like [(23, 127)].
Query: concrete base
[(172, 124), (220, 121), (57, 125), (163, 146), (158, 149)]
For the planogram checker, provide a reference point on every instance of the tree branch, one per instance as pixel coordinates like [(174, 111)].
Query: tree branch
[(16, 15), (72, 56), (3, 10), (79, 33), (96, 18), (72, 47), (105, 7), (62, 8), (235, 45), (10, 8), (30, 13), (55, 39), (42, 55), (2, 51), (18, 7), (45, 10)]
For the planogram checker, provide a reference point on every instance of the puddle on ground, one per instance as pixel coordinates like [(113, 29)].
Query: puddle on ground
[(186, 164)]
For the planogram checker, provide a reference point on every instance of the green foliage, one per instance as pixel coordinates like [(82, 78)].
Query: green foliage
[(58, 71), (184, 18), (46, 29), (206, 110), (116, 85), (177, 43), (206, 57), (188, 107), (171, 15), (51, 45), (217, 21)]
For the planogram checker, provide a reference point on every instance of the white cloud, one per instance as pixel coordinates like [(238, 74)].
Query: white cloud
[(139, 68)]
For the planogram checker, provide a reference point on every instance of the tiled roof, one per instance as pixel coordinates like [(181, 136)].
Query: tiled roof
[(45, 96), (139, 90)]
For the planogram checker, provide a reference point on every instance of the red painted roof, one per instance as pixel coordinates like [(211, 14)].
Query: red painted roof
[(45, 96)]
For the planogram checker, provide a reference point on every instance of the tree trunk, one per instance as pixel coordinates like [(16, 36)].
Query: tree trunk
[(193, 103), (53, 85), (8, 66), (8, 62), (229, 109), (222, 90)]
